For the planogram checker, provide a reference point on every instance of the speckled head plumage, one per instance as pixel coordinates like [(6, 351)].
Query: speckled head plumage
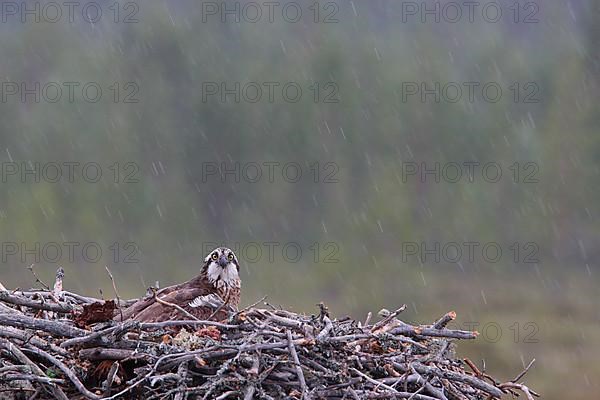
[(222, 268)]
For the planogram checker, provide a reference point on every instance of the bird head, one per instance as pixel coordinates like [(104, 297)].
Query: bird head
[(222, 267)]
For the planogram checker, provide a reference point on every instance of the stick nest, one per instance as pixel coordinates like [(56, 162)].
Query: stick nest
[(57, 344)]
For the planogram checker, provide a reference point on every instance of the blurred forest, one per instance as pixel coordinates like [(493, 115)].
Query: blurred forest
[(179, 157)]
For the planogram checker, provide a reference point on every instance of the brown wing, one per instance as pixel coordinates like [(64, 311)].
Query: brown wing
[(143, 304), (158, 312)]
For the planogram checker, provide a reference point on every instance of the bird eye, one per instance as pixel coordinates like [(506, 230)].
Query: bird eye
[(230, 257), (215, 256)]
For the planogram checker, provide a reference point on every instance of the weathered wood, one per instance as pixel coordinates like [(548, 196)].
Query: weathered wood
[(64, 308), (267, 353), (50, 326), (16, 352), (35, 340), (101, 353)]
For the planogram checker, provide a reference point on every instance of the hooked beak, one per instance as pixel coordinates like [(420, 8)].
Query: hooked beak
[(223, 262)]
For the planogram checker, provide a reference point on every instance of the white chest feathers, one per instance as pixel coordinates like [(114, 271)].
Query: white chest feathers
[(227, 277)]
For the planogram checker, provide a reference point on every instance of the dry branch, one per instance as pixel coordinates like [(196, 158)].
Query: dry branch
[(256, 353), (6, 297)]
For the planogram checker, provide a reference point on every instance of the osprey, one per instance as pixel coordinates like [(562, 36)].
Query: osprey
[(213, 293)]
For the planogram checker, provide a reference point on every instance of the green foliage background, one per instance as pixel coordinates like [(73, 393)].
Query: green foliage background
[(172, 214)]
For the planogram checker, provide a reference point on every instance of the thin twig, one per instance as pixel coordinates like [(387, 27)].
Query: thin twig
[(298, 366), (112, 279), (64, 369), (444, 320), (37, 279), (387, 319), (21, 357), (373, 381), (243, 310), (522, 374), (180, 309)]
